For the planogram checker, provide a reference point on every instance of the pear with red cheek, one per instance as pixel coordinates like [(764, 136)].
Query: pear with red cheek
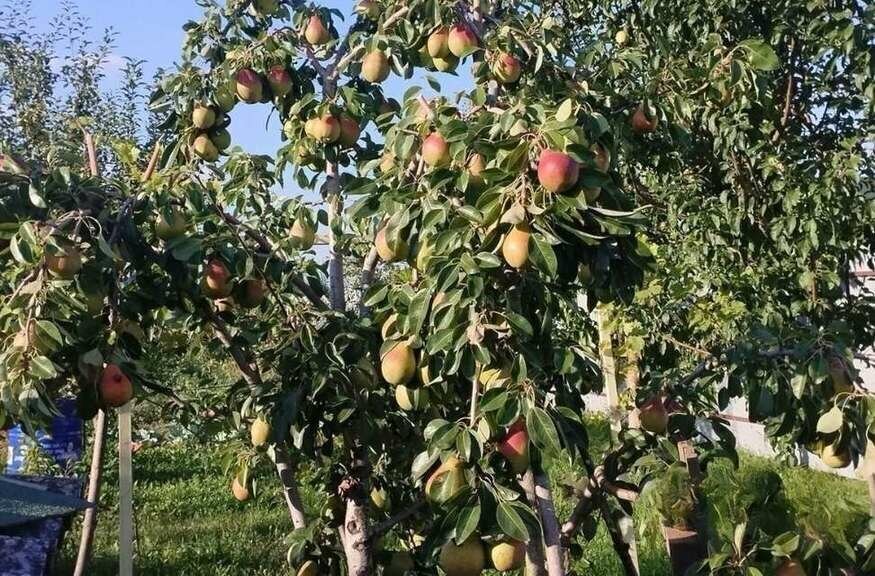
[(375, 66), (349, 131), (437, 43), (557, 172), (515, 447), (435, 151), (642, 123), (507, 69), (115, 387), (316, 33), (461, 40), (216, 282), (249, 86), (280, 81)]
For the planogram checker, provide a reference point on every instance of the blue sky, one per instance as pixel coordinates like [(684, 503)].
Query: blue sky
[(151, 30)]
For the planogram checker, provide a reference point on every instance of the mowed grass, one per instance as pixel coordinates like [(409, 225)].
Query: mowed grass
[(189, 524)]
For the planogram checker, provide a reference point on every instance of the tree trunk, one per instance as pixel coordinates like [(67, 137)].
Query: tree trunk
[(535, 560), (356, 547), (552, 536), (621, 546), (609, 373), (286, 473), (90, 521)]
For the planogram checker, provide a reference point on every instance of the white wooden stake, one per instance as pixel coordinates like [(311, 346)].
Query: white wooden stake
[(125, 492)]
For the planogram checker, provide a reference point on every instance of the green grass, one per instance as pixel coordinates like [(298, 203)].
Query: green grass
[(188, 523)]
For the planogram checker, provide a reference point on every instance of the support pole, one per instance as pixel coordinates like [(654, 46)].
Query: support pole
[(125, 492), (90, 521)]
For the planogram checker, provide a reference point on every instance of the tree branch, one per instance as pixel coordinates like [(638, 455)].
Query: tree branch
[(383, 527)]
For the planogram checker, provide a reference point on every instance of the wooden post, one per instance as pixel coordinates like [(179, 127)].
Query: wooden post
[(609, 373), (125, 492), (633, 375), (89, 522)]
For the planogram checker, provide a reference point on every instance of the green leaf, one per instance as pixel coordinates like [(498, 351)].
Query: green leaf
[(467, 523), (543, 256), (42, 368), (761, 56), (565, 110), (510, 522), (785, 544), (830, 422), (543, 431), (519, 324)]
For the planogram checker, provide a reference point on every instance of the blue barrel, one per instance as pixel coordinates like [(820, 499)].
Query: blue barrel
[(62, 442)]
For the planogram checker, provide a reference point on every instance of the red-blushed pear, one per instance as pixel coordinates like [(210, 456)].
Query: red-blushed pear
[(308, 568), (790, 567), (461, 40), (280, 80), (508, 555), (349, 131), (515, 247), (325, 129), (437, 43), (115, 387), (446, 481), (507, 68), (205, 149), (203, 117), (435, 150), (390, 252), (302, 234), (641, 122), (515, 447), (259, 432), (399, 564), (557, 171), (251, 292), (316, 33), (241, 492), (835, 456), (375, 66), (170, 224), (466, 559), (64, 266), (216, 282), (653, 415), (398, 365), (249, 86)]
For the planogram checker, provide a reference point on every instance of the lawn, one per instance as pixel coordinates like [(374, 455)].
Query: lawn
[(188, 523)]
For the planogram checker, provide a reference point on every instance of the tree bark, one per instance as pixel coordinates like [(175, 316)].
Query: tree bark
[(90, 521), (535, 560), (552, 538), (335, 223), (621, 546), (286, 473)]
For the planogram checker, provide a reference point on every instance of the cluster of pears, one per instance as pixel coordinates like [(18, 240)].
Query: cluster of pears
[(328, 128), (210, 135), (218, 284), (445, 46), (470, 557), (399, 365)]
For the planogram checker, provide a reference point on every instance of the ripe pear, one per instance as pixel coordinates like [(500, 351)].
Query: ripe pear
[(398, 365), (515, 447), (515, 247), (216, 281), (621, 37), (390, 253), (446, 481), (476, 165), (64, 266), (507, 69), (557, 171), (467, 559), (835, 456), (437, 43), (250, 88), (435, 151), (251, 292), (303, 234), (115, 387), (170, 224), (259, 432), (349, 131), (654, 416), (400, 563), (375, 66), (641, 123), (280, 81), (241, 492), (316, 33), (461, 40), (203, 117), (325, 129), (508, 555), (205, 148), (790, 567)]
